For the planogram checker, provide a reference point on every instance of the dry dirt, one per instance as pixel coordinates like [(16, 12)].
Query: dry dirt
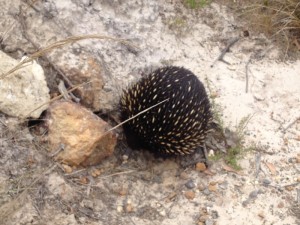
[(140, 189)]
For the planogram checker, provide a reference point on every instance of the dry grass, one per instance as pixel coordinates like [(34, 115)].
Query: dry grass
[(279, 19), (58, 45)]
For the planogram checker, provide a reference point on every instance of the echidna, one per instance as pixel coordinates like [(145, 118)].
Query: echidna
[(178, 124)]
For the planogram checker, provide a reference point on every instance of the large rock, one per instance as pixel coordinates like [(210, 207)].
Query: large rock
[(81, 133), (23, 91), (81, 67)]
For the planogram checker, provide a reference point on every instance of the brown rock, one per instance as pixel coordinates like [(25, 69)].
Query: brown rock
[(129, 208), (200, 167), (67, 169), (212, 187), (96, 172), (184, 175), (190, 195), (83, 180), (82, 68), (79, 133), (289, 188)]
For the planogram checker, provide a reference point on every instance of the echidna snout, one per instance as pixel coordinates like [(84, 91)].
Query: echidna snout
[(179, 124)]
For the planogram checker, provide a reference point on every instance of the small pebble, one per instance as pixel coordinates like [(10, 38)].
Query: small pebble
[(129, 208), (212, 187), (253, 194), (162, 213), (289, 188), (184, 175), (190, 195), (266, 182), (190, 184), (200, 167), (67, 168), (206, 191), (96, 172), (125, 157), (119, 208)]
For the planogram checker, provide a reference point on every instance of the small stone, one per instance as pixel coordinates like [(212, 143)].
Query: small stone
[(206, 191), (119, 208), (125, 158), (298, 179), (200, 223), (190, 195), (67, 169), (83, 180), (212, 187), (190, 184), (280, 205), (129, 208), (200, 167), (162, 213), (289, 188), (184, 175), (96, 172), (266, 182), (253, 194)]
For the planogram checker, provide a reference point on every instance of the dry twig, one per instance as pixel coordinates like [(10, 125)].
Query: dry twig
[(225, 50)]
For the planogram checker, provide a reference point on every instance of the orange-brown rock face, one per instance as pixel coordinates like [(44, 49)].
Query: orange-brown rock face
[(80, 133)]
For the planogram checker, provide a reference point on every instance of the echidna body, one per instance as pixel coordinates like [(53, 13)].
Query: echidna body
[(179, 124)]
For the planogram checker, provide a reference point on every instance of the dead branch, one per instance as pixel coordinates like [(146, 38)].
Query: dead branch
[(225, 50)]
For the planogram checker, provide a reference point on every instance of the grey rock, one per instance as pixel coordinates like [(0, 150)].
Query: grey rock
[(190, 184), (24, 93)]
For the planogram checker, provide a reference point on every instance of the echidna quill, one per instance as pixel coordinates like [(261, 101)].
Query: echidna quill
[(178, 124)]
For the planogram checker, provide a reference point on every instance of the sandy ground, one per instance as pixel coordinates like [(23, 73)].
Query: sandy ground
[(144, 190)]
